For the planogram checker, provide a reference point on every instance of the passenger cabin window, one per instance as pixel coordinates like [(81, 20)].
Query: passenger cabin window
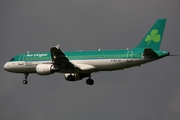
[(12, 59)]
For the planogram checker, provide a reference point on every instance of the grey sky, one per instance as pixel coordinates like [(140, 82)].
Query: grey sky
[(148, 92)]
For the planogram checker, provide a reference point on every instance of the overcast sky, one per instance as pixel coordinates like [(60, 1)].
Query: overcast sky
[(150, 92)]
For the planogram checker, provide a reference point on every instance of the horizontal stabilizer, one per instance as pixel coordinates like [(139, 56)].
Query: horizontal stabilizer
[(149, 53)]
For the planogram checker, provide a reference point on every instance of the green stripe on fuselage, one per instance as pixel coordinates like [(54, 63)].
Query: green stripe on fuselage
[(85, 55)]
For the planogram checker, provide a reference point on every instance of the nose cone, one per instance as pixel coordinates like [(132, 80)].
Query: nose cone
[(6, 67)]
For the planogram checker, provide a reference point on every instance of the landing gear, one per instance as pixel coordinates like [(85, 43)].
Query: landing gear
[(90, 81), (25, 76), (25, 82)]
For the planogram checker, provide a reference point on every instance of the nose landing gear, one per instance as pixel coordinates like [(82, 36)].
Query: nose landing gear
[(25, 76)]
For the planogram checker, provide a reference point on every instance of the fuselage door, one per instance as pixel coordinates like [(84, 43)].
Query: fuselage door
[(21, 60), (129, 56)]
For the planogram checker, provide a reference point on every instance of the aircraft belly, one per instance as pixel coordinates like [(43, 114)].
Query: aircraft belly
[(26, 69), (101, 65), (111, 64)]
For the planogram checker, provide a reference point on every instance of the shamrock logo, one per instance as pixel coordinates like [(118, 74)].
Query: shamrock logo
[(154, 36)]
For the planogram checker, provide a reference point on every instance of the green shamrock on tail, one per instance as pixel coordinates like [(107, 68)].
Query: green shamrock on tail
[(153, 37)]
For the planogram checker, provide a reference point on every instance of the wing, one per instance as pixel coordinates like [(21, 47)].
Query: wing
[(59, 59)]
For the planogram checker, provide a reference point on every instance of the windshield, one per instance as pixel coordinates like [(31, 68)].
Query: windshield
[(12, 59)]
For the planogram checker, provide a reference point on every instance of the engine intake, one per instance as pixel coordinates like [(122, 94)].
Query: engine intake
[(46, 69)]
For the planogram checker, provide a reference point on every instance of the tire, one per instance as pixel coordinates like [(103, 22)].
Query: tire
[(25, 82), (89, 81)]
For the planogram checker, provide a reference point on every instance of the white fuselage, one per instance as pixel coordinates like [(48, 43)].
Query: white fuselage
[(100, 65)]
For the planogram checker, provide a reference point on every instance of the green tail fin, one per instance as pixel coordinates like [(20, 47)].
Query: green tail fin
[(154, 36)]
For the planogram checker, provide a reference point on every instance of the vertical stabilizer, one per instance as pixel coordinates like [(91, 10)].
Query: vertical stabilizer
[(154, 36)]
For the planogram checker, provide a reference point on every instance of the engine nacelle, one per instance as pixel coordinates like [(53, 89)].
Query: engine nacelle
[(78, 76), (46, 69)]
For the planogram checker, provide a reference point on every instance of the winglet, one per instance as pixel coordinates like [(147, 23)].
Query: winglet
[(57, 46)]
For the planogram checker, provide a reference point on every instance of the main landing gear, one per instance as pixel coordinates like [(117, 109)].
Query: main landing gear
[(90, 81), (25, 76)]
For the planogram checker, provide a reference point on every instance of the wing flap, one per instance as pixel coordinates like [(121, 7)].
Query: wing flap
[(85, 67)]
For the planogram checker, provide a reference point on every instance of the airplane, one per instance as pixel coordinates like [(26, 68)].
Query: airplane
[(76, 65)]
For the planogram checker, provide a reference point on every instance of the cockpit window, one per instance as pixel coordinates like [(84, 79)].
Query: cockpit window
[(12, 59)]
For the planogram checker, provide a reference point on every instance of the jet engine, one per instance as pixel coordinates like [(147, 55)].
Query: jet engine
[(46, 69), (75, 76)]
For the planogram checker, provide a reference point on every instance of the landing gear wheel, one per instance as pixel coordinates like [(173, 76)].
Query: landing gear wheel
[(25, 82), (89, 81), (25, 76), (71, 78)]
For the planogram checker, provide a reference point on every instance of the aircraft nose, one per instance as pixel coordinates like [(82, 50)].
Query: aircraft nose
[(6, 66)]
